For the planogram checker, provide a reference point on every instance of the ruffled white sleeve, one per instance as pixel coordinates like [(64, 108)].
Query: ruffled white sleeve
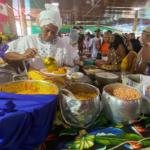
[(22, 44), (18, 46)]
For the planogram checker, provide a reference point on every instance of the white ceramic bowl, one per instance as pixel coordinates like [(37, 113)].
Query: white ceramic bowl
[(105, 78), (77, 75)]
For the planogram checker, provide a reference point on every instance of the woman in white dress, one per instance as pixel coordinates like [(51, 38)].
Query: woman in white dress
[(47, 44)]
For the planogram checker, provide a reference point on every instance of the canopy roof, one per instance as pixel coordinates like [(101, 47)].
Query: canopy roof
[(87, 12)]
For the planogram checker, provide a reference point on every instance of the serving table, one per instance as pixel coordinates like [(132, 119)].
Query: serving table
[(101, 135)]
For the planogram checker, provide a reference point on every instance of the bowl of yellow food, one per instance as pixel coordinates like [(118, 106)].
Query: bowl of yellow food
[(121, 104), (82, 110), (29, 87), (60, 72), (110, 67)]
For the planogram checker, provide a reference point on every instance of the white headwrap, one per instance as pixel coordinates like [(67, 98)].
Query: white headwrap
[(50, 15)]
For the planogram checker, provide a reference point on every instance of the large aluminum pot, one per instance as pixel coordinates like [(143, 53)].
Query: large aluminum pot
[(119, 110), (18, 86), (80, 113), (6, 75), (105, 78)]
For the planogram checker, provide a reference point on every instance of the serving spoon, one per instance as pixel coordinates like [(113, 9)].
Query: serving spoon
[(50, 63), (68, 93)]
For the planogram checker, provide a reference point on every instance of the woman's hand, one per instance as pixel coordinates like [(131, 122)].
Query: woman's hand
[(66, 68), (114, 63), (80, 63), (29, 53)]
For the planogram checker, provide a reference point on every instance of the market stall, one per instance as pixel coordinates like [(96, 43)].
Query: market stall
[(122, 123), (48, 103), (82, 121)]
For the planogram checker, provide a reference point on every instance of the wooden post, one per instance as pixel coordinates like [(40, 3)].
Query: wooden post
[(98, 22), (37, 22), (23, 18), (135, 22), (24, 24), (19, 16), (12, 22)]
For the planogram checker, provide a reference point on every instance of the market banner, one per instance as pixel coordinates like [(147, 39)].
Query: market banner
[(4, 21)]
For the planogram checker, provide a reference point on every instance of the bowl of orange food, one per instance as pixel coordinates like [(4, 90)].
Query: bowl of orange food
[(30, 87), (121, 104), (82, 110), (60, 72)]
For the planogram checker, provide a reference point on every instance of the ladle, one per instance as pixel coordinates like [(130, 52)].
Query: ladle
[(67, 82), (50, 63), (68, 93)]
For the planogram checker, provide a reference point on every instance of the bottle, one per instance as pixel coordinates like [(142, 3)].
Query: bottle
[(148, 63)]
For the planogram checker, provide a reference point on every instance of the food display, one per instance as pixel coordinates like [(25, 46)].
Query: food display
[(84, 96), (110, 67), (124, 93), (60, 71), (57, 71), (29, 88)]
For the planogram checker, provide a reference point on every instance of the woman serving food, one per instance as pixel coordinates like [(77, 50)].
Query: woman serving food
[(47, 44)]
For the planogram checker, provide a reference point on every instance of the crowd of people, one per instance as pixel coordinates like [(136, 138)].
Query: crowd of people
[(125, 50), (116, 48)]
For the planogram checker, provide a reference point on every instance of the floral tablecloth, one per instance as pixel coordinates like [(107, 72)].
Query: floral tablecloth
[(101, 135)]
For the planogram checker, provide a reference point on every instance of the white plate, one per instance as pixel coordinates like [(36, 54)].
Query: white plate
[(79, 75), (52, 74), (3, 65)]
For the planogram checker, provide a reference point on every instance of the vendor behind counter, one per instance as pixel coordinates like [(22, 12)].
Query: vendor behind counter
[(47, 44)]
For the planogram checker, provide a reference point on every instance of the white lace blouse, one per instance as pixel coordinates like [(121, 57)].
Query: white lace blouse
[(62, 52)]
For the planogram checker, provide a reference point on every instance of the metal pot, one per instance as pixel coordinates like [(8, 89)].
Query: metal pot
[(17, 86), (106, 80), (80, 113), (92, 70), (119, 110), (6, 75)]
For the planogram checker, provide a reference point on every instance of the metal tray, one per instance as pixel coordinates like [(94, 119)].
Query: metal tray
[(112, 70)]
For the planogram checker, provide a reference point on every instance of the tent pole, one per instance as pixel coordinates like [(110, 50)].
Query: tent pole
[(19, 17), (135, 22)]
